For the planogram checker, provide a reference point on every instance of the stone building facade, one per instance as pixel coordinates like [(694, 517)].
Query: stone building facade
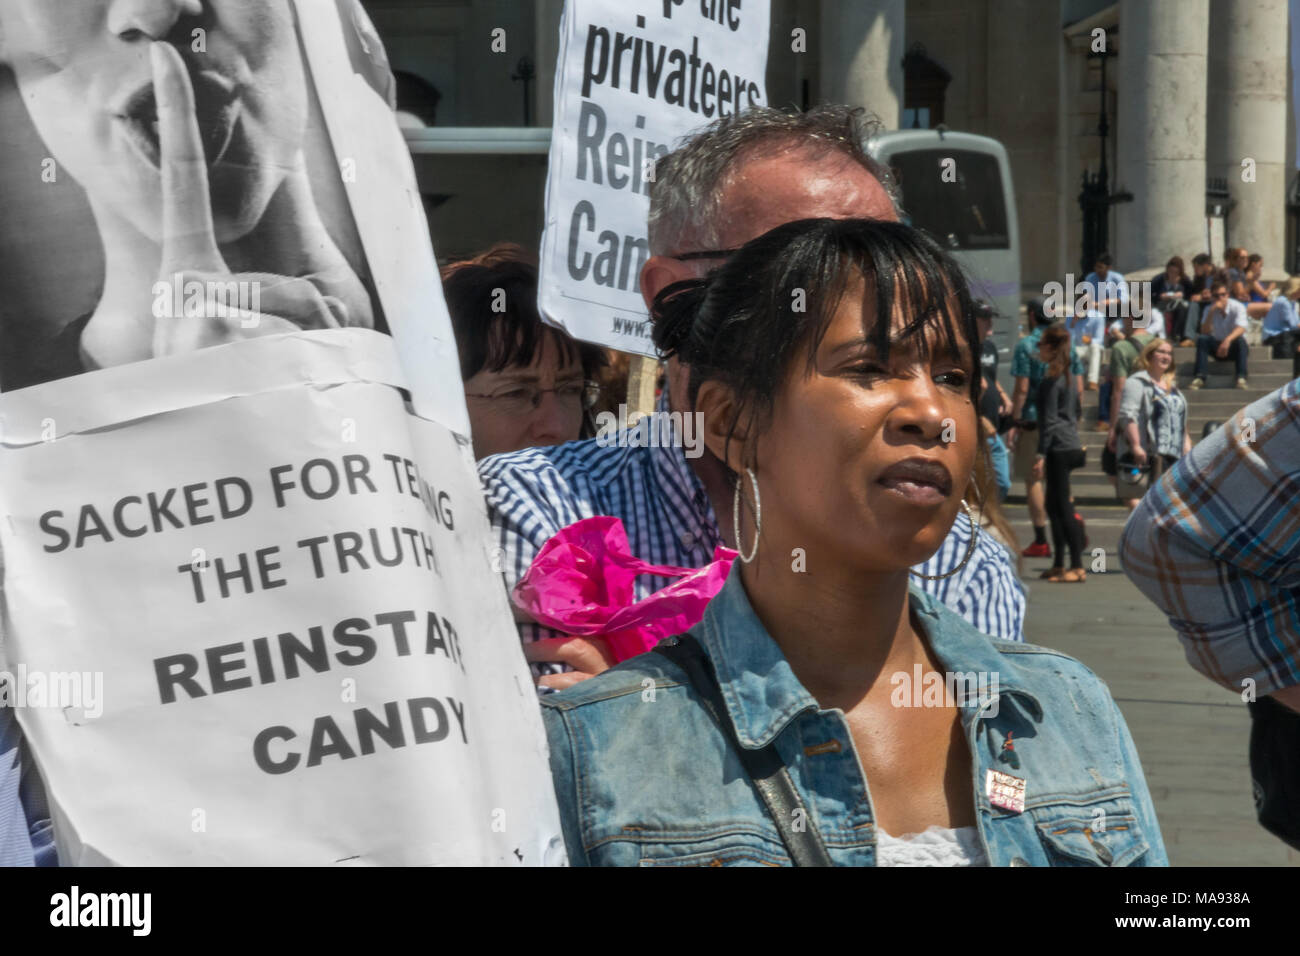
[(1194, 90)]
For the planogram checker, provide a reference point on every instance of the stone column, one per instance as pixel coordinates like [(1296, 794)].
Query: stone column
[(1023, 117), (547, 31), (862, 55), (1161, 132), (1246, 120)]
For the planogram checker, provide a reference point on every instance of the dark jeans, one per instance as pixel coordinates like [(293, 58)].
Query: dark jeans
[(1060, 512), (1103, 399), (1205, 344), (1284, 347)]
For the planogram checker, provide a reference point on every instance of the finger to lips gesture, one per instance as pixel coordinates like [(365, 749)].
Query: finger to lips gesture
[(189, 247)]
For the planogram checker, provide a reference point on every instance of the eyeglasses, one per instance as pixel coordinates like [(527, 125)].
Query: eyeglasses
[(705, 254), (521, 399)]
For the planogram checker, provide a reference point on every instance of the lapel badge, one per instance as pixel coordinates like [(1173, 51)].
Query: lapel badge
[(1008, 754), (1005, 791)]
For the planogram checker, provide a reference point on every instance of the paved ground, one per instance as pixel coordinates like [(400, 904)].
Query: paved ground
[(1191, 734)]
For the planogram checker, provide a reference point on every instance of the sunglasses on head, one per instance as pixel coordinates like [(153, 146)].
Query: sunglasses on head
[(705, 254)]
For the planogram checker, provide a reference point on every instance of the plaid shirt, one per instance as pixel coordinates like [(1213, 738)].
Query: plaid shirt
[(1216, 544), (533, 493)]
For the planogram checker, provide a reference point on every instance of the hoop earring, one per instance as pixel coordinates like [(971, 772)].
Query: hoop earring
[(970, 548), (758, 517)]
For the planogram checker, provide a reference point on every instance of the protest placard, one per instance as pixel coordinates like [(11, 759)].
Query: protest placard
[(240, 519), (633, 77), (286, 597)]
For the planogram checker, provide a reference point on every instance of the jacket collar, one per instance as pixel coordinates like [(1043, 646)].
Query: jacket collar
[(763, 695)]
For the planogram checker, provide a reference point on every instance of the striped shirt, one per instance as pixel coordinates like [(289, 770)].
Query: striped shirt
[(1216, 545), (26, 836), (533, 493)]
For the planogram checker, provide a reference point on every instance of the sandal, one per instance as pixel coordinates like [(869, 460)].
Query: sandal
[(1053, 573), (1074, 576)]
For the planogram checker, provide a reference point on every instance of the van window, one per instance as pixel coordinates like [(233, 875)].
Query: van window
[(963, 210)]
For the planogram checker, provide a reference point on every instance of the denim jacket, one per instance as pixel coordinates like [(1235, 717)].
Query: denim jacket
[(645, 777)]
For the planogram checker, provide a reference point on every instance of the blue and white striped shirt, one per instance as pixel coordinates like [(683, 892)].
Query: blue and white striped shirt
[(26, 836), (531, 494)]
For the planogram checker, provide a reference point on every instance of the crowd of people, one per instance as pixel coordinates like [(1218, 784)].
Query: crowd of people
[(863, 430), (1123, 347)]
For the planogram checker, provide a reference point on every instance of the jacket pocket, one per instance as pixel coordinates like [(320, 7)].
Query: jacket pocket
[(727, 848), (1115, 840)]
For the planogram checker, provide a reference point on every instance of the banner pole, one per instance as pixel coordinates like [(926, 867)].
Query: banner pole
[(643, 372)]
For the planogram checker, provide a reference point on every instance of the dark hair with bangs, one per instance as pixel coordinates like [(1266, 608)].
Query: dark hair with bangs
[(492, 340), (771, 302)]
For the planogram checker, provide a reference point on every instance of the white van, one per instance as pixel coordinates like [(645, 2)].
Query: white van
[(957, 187)]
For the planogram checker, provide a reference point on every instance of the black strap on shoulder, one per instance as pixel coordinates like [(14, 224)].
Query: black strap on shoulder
[(765, 768)]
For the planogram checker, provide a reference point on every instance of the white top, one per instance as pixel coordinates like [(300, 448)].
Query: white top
[(1223, 321), (937, 846)]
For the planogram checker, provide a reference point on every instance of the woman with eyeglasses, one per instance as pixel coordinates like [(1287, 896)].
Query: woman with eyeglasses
[(1152, 416), (527, 384), (826, 710)]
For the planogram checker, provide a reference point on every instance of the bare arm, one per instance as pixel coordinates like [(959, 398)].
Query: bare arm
[(1134, 440), (1290, 696), (1021, 393)]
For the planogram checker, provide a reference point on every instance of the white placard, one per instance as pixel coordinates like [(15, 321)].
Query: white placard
[(633, 77), (250, 615), (288, 643)]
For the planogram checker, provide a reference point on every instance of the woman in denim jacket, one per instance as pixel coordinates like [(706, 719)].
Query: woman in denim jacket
[(898, 733)]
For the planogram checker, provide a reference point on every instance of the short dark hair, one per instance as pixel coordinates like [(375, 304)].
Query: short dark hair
[(1037, 312), (1201, 259), (1219, 282), (771, 302), (1103, 260), (492, 298)]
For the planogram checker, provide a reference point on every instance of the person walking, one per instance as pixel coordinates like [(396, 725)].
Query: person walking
[(1059, 453), (1028, 371), (994, 402), (1151, 429)]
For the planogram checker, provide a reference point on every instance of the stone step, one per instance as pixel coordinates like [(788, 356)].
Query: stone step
[(1255, 363), (1203, 411), (1225, 377), (1211, 397), (1087, 486)]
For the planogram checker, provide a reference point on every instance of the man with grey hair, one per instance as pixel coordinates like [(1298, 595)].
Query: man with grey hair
[(735, 180)]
